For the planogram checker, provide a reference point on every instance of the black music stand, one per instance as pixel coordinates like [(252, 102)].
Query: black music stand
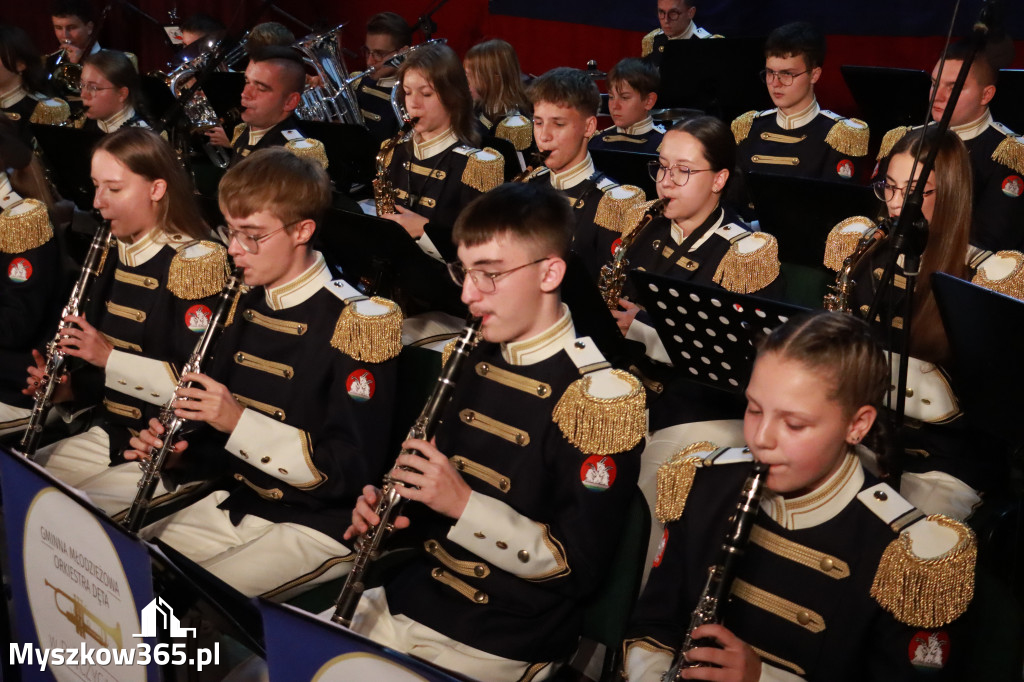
[(157, 95), (1005, 105), (888, 97), (73, 148), (223, 90), (350, 151), (718, 76), (626, 168), (709, 333)]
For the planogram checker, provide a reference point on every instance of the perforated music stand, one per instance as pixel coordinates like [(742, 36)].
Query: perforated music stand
[(984, 330), (709, 333), (73, 149)]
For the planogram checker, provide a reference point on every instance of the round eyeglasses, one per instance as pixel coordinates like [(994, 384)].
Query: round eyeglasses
[(680, 175), (783, 77), (484, 281), (249, 242), (886, 192)]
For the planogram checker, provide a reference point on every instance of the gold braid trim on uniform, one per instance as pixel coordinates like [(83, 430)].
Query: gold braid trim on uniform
[(927, 593), (484, 175), (771, 658), (890, 140), (745, 273), (1012, 284), (243, 289), (620, 215), (51, 112), (520, 136), (26, 230), (1010, 152), (647, 43), (199, 277), (848, 139), (314, 150), (841, 244), (741, 125), (602, 426), (239, 129), (675, 478), (369, 338), (447, 351)]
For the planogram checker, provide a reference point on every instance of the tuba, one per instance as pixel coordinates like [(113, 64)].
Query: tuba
[(613, 273), (333, 100), (384, 194)]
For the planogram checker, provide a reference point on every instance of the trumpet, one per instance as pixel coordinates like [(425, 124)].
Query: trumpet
[(66, 74)]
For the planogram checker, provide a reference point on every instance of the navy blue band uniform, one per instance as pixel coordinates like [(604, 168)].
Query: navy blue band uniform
[(513, 127), (552, 467), (652, 45), (374, 98), (126, 118), (644, 136), (848, 582), (243, 142), (23, 107)]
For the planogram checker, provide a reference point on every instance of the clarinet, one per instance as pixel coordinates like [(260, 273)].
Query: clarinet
[(389, 502), (56, 359), (151, 468), (722, 573)]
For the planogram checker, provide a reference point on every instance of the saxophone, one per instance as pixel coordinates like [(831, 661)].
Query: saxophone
[(722, 573), (389, 502), (384, 194), (838, 300), (613, 273), (173, 424), (56, 359)]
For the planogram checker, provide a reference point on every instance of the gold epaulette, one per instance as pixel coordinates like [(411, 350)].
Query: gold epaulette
[(849, 136), (614, 420), (24, 225), (647, 42), (617, 208), (890, 140), (924, 587), (843, 239), (485, 170), (1010, 153), (53, 111), (741, 125), (308, 148), (516, 129), (747, 272), (239, 129), (369, 336), (675, 479), (1002, 272), (198, 270)]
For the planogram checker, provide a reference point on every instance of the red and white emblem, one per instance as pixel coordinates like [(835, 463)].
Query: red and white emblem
[(1013, 186), (661, 548), (360, 385), (598, 472), (197, 318), (845, 168), (20, 270), (929, 649), (616, 245)]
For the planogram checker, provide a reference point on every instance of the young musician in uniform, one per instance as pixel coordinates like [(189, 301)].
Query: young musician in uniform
[(386, 34), (842, 579), (995, 150), (565, 103), (73, 26), (632, 93), (298, 403), (496, 83), (23, 84), (110, 93), (676, 19), (518, 503)]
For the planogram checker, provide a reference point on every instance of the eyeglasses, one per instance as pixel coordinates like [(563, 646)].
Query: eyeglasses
[(671, 15), (378, 55), (92, 88), (783, 77), (886, 192), (250, 243), (680, 174), (485, 281)]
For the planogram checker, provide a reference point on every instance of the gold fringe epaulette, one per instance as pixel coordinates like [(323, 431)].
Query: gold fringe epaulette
[(369, 338), (741, 125), (308, 148), (840, 244), (617, 213), (927, 593), (1010, 153), (745, 273), (1011, 284), (602, 426), (890, 140), (647, 42), (516, 129), (675, 479), (849, 136), (192, 277), (239, 129), (484, 174), (51, 112), (24, 229)]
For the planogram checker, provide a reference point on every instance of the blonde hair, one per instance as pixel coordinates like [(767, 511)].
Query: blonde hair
[(498, 77)]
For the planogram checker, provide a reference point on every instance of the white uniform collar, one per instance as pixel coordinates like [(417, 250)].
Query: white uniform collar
[(644, 126), (12, 96), (302, 287), (691, 28), (7, 194), (678, 236), (969, 131), (138, 252), (109, 125), (424, 150), (543, 345), (568, 179), (799, 119), (388, 82), (821, 504)]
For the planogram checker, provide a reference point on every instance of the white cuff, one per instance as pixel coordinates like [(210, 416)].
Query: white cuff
[(140, 377), (644, 665), (648, 335), (769, 673), (276, 449), (428, 247), (500, 535)]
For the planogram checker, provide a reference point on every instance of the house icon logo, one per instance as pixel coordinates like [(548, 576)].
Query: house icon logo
[(157, 615)]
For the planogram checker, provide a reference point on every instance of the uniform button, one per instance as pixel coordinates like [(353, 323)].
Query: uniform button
[(138, 388), (542, 391), (910, 392), (501, 544), (523, 555), (122, 382), (264, 459), (827, 564), (480, 597), (431, 546), (155, 395), (437, 572), (925, 401), (479, 535), (880, 495), (278, 414), (479, 571), (519, 439), (484, 368), (580, 344), (149, 282), (287, 374), (283, 471), (459, 463), (803, 618), (248, 315), (503, 485), (244, 454)]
